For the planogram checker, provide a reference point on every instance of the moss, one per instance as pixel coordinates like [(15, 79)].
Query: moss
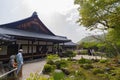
[(98, 71), (87, 66)]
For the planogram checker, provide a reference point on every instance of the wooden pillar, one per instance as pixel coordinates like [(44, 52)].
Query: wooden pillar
[(38, 47), (46, 49), (63, 46), (28, 47), (58, 48), (32, 50), (53, 48)]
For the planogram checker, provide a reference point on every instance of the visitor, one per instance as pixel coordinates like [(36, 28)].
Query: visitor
[(92, 52), (19, 59), (12, 65), (89, 52)]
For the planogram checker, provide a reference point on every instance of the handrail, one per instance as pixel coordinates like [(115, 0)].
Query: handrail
[(8, 73)]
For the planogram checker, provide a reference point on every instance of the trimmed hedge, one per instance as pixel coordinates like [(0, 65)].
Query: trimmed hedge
[(48, 68)]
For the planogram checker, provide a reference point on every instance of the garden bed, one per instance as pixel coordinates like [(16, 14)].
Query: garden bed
[(82, 69)]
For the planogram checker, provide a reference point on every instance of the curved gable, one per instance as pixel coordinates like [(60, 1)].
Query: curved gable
[(32, 24)]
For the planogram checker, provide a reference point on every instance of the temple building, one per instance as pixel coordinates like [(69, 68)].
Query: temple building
[(69, 46), (31, 35)]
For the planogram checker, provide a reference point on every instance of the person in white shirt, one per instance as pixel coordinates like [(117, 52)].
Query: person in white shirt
[(19, 59)]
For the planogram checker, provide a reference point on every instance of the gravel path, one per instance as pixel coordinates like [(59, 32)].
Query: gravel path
[(77, 57), (33, 67)]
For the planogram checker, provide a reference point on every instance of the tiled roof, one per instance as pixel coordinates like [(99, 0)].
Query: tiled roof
[(4, 37), (32, 28), (69, 44), (32, 35), (32, 24)]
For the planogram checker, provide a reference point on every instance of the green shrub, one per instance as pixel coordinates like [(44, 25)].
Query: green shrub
[(103, 61), (79, 74), (69, 54), (87, 66), (66, 71), (61, 63), (50, 62), (83, 61), (48, 68), (69, 59), (36, 77), (95, 60), (83, 52), (105, 76), (52, 57), (98, 71), (58, 75)]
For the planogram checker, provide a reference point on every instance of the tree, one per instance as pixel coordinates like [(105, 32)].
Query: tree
[(94, 13)]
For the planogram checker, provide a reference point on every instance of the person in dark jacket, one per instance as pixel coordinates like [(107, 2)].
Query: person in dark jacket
[(89, 52), (12, 65)]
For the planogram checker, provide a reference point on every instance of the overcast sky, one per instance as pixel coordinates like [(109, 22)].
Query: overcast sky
[(58, 15)]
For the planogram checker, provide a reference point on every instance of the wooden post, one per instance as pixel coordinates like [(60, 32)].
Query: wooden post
[(28, 47), (58, 48), (63, 46), (53, 49), (38, 48), (46, 49), (32, 50)]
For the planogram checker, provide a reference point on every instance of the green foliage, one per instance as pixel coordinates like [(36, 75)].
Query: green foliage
[(98, 71), (86, 70), (58, 75), (61, 63), (52, 57), (50, 62), (101, 47), (89, 45), (69, 54), (79, 74), (48, 68), (87, 66), (105, 12), (83, 61), (116, 75), (83, 52), (36, 77), (103, 61), (66, 71)]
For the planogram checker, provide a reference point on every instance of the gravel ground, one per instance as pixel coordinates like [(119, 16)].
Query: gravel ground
[(33, 67), (88, 57)]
